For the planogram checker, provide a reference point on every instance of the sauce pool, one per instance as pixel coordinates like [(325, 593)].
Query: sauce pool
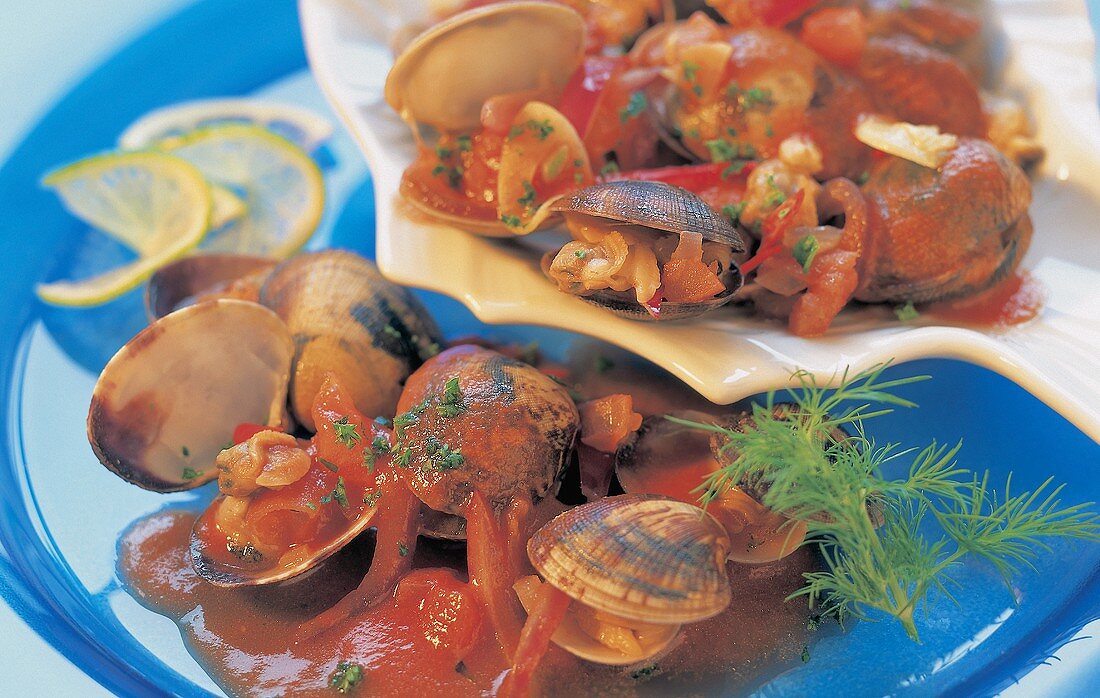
[(1014, 301), (430, 636)]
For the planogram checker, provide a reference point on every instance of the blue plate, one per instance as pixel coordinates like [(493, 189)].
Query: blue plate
[(62, 512)]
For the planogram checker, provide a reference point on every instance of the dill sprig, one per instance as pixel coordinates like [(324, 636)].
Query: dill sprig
[(871, 529)]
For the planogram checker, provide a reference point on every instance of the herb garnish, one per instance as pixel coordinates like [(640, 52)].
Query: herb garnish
[(828, 483), (528, 198), (450, 405), (907, 312), (346, 432), (634, 107), (580, 254), (805, 250), (191, 473), (185, 451), (346, 677), (454, 174), (371, 498), (330, 465), (377, 448), (339, 494), (402, 549), (733, 212), (511, 221)]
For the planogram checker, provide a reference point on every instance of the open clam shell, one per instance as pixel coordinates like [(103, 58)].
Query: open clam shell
[(203, 277), (644, 558), (664, 209), (346, 318), (230, 567), (444, 76), (166, 404), (654, 205)]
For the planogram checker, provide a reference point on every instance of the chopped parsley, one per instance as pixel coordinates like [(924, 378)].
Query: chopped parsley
[(443, 153), (580, 254), (511, 221), (805, 250), (346, 677), (311, 506), (733, 212), (737, 154), (863, 177), (402, 549), (540, 129), (330, 465), (752, 98), (528, 198), (346, 432), (339, 494), (454, 174), (450, 405), (185, 451), (634, 107), (907, 312), (441, 457), (775, 196), (610, 167), (371, 498), (464, 144), (191, 473), (377, 448), (690, 70)]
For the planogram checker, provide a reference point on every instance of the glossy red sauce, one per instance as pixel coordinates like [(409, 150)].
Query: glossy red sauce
[(1014, 301), (430, 636)]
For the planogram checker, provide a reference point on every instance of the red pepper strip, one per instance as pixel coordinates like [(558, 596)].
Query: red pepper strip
[(245, 431), (690, 177), (583, 90), (491, 572), (546, 616), (780, 13), (775, 227)]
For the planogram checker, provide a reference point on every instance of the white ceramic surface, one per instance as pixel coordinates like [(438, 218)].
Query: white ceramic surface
[(1048, 50)]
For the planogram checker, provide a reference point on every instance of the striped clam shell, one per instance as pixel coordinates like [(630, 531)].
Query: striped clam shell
[(346, 318), (653, 205), (642, 557)]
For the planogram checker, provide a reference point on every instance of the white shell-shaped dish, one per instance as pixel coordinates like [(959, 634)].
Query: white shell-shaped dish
[(1046, 52)]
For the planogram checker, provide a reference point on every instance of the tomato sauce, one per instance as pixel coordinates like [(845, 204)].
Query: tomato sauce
[(1014, 301), (431, 636)]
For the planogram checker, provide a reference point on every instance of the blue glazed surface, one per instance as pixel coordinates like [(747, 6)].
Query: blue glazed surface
[(62, 512)]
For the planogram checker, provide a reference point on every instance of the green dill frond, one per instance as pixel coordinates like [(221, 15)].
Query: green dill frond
[(810, 459)]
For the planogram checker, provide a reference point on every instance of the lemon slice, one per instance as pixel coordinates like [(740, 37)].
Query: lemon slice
[(227, 206), (156, 204), (280, 183), (301, 126)]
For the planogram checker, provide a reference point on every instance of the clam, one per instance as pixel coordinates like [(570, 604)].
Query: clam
[(440, 526), (471, 418), (346, 318), (674, 460), (632, 562), (159, 414), (203, 277), (444, 76), (628, 235)]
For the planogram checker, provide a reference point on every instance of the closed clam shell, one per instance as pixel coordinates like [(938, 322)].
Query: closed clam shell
[(165, 405), (347, 319), (645, 558), (509, 431), (203, 277), (653, 205)]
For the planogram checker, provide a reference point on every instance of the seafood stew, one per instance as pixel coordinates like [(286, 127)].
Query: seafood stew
[(789, 119), (613, 537)]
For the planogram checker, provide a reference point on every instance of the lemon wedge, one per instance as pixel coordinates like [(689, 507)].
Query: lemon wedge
[(298, 125), (156, 204), (282, 187)]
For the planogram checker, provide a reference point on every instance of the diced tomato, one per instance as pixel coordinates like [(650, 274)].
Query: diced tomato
[(607, 421), (611, 127), (837, 34), (578, 101), (689, 281), (245, 431), (779, 13)]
